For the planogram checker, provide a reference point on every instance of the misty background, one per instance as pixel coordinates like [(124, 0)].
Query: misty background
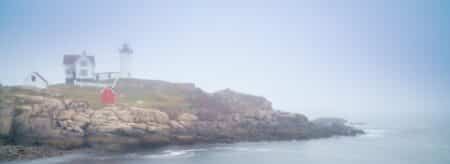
[(379, 62)]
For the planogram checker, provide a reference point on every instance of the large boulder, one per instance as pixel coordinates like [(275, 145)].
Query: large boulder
[(117, 127), (142, 115)]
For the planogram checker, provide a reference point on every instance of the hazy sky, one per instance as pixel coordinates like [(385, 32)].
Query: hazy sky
[(355, 59)]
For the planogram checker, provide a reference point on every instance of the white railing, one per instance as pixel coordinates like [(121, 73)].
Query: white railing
[(90, 84), (107, 75)]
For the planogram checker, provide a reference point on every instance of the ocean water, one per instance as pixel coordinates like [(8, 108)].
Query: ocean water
[(378, 146)]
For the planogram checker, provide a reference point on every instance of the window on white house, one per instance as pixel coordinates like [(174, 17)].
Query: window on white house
[(83, 63), (83, 72)]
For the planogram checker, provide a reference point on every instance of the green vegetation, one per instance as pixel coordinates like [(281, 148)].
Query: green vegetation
[(140, 93), (171, 98), (88, 94), (7, 94)]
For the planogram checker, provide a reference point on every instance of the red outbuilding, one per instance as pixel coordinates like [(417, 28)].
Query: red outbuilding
[(108, 96)]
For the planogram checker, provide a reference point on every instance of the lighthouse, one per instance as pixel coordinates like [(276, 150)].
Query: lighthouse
[(125, 61)]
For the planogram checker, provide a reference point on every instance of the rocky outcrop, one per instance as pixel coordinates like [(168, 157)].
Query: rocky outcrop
[(240, 102), (334, 126), (224, 116), (67, 125)]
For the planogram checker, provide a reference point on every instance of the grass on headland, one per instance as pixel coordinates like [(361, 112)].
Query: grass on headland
[(146, 95)]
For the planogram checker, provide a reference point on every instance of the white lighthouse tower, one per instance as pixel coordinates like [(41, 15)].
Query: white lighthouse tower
[(125, 61)]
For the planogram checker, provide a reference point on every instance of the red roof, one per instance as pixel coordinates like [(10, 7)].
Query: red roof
[(108, 96), (41, 77), (71, 59)]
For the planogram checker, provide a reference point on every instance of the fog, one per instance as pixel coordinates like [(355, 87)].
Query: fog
[(378, 62)]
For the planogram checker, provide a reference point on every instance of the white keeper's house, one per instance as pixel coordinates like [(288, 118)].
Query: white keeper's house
[(79, 68)]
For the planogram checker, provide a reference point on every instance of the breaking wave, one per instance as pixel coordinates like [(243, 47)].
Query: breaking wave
[(374, 133), (174, 153), (243, 149)]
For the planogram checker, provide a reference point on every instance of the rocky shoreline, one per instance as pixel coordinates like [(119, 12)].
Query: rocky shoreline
[(19, 152), (56, 124)]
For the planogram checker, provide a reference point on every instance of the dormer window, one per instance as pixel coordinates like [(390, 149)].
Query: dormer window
[(83, 63)]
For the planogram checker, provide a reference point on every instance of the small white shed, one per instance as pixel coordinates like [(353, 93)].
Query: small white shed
[(36, 80)]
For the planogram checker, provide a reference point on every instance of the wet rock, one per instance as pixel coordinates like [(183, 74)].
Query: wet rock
[(13, 152)]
